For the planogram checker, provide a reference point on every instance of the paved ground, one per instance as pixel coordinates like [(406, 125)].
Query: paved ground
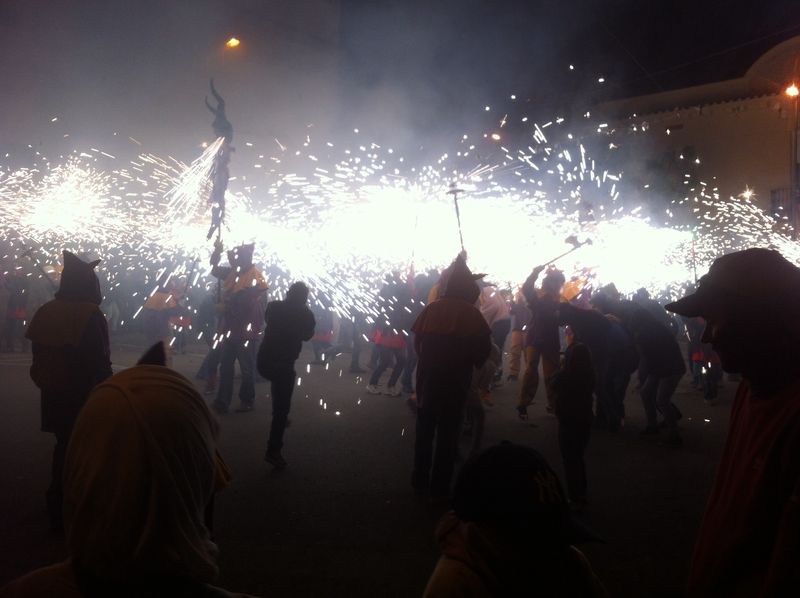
[(341, 520)]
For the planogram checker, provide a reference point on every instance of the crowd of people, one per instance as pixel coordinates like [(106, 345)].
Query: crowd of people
[(441, 339)]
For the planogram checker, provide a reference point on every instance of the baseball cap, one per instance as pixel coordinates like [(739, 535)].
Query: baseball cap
[(757, 278), (514, 487)]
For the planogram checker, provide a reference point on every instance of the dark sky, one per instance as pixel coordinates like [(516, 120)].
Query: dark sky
[(407, 67)]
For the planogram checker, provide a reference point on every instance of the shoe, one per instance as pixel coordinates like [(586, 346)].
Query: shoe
[(373, 389), (512, 378), (245, 407), (275, 459), (393, 391), (357, 370), (522, 412), (219, 409), (649, 431)]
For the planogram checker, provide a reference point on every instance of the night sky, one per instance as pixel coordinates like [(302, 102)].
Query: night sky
[(407, 67)]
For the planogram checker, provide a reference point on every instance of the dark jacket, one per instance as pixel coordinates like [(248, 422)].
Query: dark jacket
[(659, 351), (288, 325), (451, 338)]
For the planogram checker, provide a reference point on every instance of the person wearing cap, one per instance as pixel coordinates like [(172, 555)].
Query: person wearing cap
[(511, 532), (748, 540), (542, 342), (243, 286), (71, 354), (452, 339), (141, 469)]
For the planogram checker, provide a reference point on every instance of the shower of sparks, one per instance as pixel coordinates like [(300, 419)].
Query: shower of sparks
[(341, 214)]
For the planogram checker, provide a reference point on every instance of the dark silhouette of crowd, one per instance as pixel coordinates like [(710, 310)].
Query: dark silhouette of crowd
[(135, 466)]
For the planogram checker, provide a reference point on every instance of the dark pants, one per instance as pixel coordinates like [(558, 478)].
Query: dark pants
[(282, 382), (500, 332), (358, 342), (385, 358), (613, 386), (410, 366), (208, 369), (433, 468), (55, 492), (573, 437), (657, 396), (231, 351)]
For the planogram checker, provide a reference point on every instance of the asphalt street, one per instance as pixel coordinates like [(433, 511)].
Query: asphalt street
[(342, 519)]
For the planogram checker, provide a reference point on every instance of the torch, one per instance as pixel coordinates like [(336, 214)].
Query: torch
[(454, 191)]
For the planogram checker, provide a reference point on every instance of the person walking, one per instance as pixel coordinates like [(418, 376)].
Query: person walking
[(542, 342), (573, 388), (288, 324)]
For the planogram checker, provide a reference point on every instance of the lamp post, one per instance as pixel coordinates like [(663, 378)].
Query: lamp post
[(792, 92)]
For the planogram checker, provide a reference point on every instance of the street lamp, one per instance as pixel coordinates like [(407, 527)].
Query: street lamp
[(792, 92)]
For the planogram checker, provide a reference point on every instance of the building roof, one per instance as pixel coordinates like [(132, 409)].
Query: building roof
[(768, 75)]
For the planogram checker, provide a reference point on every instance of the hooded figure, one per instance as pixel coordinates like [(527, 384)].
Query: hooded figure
[(243, 286), (71, 355), (452, 338), (140, 470)]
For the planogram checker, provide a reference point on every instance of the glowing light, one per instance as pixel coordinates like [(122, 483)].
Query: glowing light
[(792, 91), (747, 194), (496, 136), (232, 42)]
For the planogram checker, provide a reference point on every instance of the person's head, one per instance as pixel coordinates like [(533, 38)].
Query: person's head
[(79, 281), (513, 489), (297, 293), (751, 303), (553, 281), (241, 257), (461, 282), (139, 473)]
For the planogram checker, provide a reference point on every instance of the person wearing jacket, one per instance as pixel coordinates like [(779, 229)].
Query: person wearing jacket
[(71, 355), (289, 323), (452, 339), (747, 544), (542, 342), (240, 325), (510, 533), (661, 367), (141, 471), (494, 308)]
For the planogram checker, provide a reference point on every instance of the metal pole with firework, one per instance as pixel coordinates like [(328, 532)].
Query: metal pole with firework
[(219, 174), (571, 240), (454, 191)]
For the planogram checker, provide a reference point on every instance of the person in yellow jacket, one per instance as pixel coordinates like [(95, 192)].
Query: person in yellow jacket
[(243, 286)]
